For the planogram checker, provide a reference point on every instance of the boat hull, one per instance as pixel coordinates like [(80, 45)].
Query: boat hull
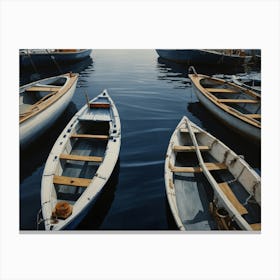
[(97, 178), (40, 59), (233, 122), (202, 57), (35, 126), (188, 186)]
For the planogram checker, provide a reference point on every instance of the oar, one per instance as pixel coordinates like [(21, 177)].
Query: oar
[(227, 204)]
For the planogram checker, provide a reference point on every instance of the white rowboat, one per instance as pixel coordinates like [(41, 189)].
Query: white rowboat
[(80, 163), (41, 103), (238, 107), (200, 171)]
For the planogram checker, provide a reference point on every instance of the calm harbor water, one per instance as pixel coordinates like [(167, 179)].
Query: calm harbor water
[(151, 95)]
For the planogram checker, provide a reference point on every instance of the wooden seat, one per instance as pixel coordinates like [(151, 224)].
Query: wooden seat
[(99, 105), (211, 166), (81, 158), (190, 148), (42, 88), (249, 101), (71, 181), (185, 130), (90, 136), (222, 90), (232, 198), (254, 116), (256, 226)]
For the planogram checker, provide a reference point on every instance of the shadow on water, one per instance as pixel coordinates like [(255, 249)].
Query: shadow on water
[(238, 143), (95, 217), (28, 75), (170, 67), (169, 217), (37, 152)]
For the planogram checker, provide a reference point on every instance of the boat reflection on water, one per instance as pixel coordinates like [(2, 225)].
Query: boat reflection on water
[(36, 154), (173, 71), (96, 215), (31, 74)]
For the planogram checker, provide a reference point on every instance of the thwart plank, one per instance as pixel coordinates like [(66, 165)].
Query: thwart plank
[(232, 198), (251, 101), (211, 166), (190, 148), (256, 226), (195, 130), (222, 90), (42, 89), (81, 158), (90, 136), (71, 181)]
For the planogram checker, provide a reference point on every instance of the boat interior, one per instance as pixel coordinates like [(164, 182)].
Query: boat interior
[(195, 192), (80, 160), (37, 93), (243, 101)]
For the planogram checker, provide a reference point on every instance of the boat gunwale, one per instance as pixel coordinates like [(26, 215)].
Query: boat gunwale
[(196, 82), (71, 79), (110, 158), (169, 177)]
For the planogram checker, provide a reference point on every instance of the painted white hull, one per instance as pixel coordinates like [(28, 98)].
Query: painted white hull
[(239, 169), (36, 125), (99, 179)]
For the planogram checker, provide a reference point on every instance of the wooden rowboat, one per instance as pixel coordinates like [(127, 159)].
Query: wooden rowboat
[(200, 171), (238, 107), (41, 103), (80, 163)]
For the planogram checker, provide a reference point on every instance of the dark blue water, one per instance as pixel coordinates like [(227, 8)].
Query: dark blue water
[(151, 95)]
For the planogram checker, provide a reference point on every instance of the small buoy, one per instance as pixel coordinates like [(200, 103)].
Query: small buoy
[(63, 210)]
